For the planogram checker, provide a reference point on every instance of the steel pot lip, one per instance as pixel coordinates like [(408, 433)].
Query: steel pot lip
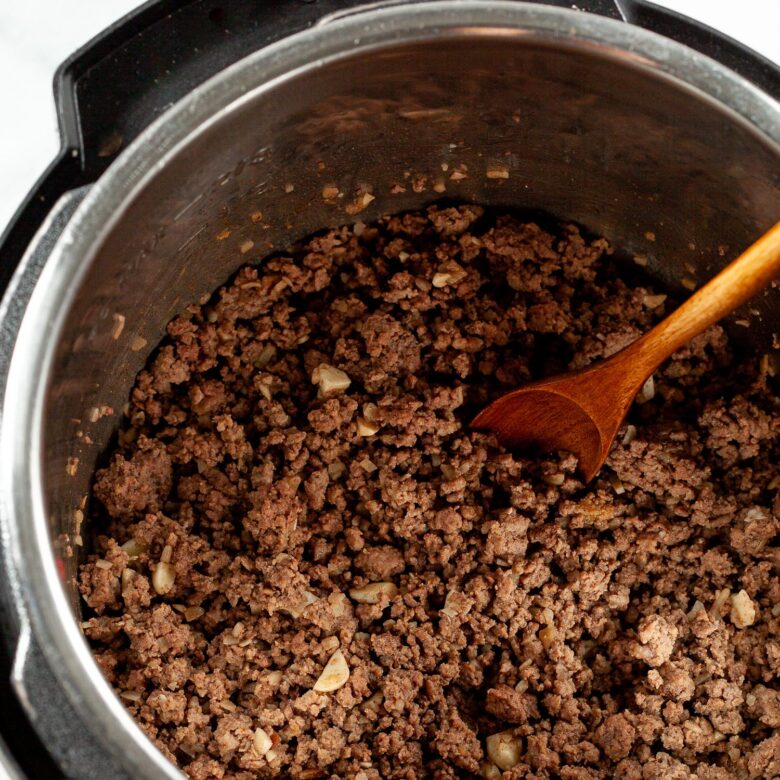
[(21, 483)]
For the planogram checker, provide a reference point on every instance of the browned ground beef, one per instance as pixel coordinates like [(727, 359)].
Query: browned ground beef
[(297, 485)]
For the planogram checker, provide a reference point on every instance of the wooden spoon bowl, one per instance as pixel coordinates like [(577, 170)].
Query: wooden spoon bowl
[(582, 411)]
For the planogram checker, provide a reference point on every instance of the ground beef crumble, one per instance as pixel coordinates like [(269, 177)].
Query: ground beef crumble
[(308, 566)]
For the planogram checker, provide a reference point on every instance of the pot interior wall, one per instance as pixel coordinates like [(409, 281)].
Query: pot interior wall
[(583, 132)]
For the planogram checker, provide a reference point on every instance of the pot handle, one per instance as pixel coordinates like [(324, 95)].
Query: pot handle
[(31, 697), (46, 706), (704, 39)]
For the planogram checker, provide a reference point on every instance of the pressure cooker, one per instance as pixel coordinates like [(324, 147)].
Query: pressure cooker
[(191, 130)]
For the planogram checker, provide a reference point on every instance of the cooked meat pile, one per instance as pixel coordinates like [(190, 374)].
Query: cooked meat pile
[(308, 566)]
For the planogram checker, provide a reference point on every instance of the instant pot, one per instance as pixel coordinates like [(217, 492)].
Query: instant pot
[(196, 136)]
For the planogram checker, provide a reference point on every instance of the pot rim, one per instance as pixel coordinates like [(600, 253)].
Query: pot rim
[(375, 27)]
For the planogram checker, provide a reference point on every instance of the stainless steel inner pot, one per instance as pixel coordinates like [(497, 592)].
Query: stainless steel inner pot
[(667, 153)]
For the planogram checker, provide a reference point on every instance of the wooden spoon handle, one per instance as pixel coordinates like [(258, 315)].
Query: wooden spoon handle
[(739, 281)]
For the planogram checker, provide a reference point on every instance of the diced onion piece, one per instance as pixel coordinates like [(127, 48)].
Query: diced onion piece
[(451, 274), (373, 593), (503, 749), (133, 548), (617, 483), (193, 613), (647, 393), (489, 771), (366, 427), (334, 675), (330, 379), (330, 644), (721, 597), (695, 609), (163, 577), (261, 742), (367, 465), (296, 609), (548, 635), (267, 354), (743, 610), (339, 605), (653, 301)]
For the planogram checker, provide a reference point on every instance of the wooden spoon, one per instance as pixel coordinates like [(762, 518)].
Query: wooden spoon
[(582, 411)]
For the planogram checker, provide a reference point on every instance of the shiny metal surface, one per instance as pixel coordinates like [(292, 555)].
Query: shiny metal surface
[(8, 768), (663, 151), (41, 699)]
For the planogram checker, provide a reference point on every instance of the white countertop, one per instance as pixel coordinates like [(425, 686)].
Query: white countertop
[(36, 35)]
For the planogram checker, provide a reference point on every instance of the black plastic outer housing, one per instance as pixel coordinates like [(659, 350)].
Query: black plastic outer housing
[(117, 84)]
